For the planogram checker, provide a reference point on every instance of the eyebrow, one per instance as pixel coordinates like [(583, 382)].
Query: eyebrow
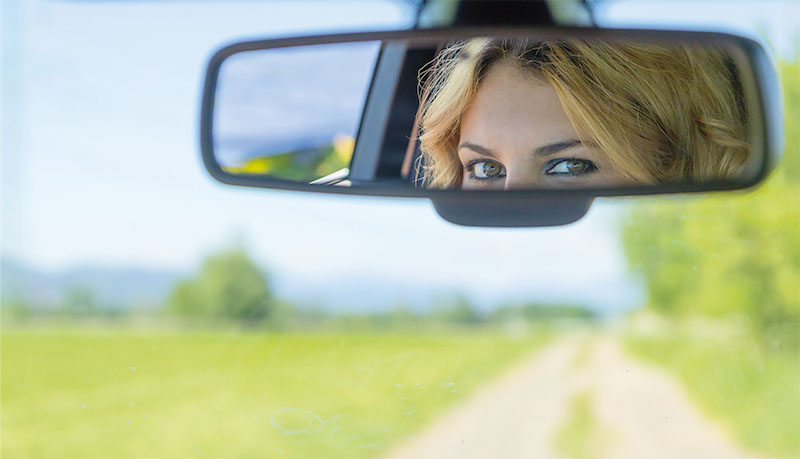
[(556, 147), (545, 150), (478, 149)]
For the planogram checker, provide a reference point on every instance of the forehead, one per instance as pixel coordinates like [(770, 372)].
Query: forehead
[(512, 109)]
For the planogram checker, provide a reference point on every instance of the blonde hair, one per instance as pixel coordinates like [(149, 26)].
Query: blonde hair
[(659, 113)]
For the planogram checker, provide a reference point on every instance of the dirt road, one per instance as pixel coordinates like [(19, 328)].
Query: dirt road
[(635, 411)]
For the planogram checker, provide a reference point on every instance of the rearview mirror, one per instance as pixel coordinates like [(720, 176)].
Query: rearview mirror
[(458, 115)]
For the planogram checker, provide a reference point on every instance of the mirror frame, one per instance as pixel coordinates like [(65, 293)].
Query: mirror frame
[(759, 83)]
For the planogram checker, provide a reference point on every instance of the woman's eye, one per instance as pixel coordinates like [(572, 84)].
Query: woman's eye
[(484, 169), (570, 167)]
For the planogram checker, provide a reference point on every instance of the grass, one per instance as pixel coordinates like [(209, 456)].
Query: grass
[(584, 354), (104, 393), (578, 437), (751, 390), (582, 435)]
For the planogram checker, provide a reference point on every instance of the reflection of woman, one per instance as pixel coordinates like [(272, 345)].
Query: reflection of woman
[(522, 114)]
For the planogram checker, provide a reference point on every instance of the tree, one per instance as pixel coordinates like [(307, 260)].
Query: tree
[(228, 286)]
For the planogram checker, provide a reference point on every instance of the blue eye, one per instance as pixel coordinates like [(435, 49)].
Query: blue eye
[(484, 169), (570, 167)]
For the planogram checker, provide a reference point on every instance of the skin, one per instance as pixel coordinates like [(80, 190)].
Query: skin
[(515, 134)]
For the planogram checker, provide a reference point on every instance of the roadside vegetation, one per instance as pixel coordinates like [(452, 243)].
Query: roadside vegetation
[(722, 276)]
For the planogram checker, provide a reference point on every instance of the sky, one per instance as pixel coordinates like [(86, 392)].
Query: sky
[(101, 163)]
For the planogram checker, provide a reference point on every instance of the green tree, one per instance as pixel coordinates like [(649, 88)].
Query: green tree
[(228, 286), (733, 255)]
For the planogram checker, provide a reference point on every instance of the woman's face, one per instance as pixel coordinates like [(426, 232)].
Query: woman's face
[(515, 134)]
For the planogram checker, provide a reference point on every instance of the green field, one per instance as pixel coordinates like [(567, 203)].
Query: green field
[(751, 389), (106, 393)]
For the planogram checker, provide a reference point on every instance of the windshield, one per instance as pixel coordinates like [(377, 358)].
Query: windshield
[(148, 311)]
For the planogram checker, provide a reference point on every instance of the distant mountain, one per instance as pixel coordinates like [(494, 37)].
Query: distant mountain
[(114, 288), (122, 288)]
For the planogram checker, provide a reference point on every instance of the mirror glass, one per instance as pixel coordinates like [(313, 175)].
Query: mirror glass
[(292, 113), (487, 113)]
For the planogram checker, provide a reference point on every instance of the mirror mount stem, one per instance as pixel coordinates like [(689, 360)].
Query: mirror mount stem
[(502, 13)]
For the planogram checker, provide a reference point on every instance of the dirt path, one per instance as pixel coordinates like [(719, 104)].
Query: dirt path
[(639, 411)]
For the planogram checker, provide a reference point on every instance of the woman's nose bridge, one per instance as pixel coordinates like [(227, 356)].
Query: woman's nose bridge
[(518, 176)]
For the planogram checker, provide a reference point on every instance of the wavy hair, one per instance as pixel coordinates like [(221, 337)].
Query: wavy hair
[(659, 113)]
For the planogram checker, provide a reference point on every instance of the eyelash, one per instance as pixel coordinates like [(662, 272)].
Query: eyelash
[(590, 167)]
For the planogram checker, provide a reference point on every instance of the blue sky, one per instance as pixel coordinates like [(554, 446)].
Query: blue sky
[(100, 162)]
